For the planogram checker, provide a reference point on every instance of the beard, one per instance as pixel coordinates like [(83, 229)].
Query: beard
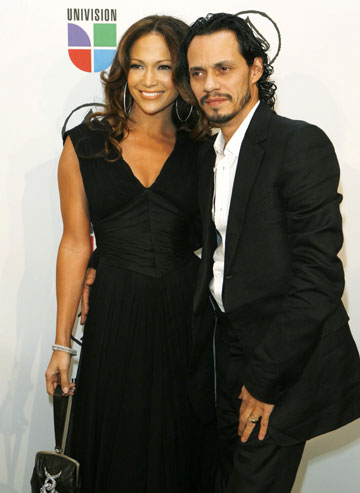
[(219, 118)]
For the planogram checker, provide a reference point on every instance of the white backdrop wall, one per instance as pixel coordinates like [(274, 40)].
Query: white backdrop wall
[(317, 74)]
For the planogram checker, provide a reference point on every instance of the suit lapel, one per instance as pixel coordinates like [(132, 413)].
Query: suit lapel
[(205, 195), (206, 191), (249, 161)]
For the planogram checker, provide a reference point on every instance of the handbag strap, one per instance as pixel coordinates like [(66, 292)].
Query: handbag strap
[(61, 403)]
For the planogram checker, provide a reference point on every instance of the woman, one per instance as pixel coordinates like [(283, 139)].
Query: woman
[(132, 174)]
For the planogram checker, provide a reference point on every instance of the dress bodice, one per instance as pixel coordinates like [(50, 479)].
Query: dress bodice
[(147, 230), (149, 235)]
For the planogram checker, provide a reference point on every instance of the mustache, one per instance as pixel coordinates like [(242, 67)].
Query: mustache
[(215, 95)]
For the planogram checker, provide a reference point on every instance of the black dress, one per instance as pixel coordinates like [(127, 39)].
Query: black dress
[(133, 428)]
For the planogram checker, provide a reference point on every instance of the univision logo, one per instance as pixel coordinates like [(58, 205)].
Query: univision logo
[(91, 46)]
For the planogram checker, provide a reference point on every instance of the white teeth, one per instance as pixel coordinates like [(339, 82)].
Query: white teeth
[(151, 93)]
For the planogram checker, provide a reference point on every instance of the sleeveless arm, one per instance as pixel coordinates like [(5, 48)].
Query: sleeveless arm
[(73, 256)]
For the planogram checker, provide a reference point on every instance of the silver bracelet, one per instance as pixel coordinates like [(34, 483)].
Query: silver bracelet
[(65, 349)]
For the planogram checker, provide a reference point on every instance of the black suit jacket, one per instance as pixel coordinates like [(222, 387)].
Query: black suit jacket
[(283, 281)]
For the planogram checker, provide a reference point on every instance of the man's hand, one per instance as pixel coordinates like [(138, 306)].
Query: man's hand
[(89, 281), (252, 410)]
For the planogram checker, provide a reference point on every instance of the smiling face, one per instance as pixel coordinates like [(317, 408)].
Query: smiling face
[(221, 80), (150, 77)]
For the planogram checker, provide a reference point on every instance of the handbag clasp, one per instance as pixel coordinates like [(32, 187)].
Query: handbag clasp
[(50, 482)]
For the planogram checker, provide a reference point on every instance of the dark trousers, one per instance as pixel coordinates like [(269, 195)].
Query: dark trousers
[(255, 466)]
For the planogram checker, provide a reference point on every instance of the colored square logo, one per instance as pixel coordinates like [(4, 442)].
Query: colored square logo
[(103, 59), (104, 34)]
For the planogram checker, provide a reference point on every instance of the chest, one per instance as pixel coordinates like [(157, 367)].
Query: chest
[(234, 195), (112, 187), (147, 158), (224, 174)]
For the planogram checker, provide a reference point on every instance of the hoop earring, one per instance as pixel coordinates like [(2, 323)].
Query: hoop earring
[(126, 108), (177, 112)]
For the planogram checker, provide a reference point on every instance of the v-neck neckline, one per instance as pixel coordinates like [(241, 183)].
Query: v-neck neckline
[(161, 172)]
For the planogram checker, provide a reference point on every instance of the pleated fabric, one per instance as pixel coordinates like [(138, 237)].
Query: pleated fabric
[(132, 427)]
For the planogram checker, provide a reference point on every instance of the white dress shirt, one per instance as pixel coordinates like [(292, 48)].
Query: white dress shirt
[(224, 175)]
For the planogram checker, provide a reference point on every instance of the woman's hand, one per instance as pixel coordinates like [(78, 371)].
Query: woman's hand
[(58, 371)]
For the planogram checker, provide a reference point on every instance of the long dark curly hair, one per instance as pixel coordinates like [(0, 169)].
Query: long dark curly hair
[(173, 31), (250, 45)]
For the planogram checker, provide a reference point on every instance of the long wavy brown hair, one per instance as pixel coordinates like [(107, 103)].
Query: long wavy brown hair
[(173, 31)]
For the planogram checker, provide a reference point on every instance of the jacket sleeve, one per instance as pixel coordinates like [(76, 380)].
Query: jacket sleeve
[(308, 188)]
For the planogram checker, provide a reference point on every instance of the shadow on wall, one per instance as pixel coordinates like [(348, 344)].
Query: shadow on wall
[(324, 448), (25, 413), (321, 109)]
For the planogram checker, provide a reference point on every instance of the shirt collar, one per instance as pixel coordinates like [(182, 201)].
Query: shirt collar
[(234, 144)]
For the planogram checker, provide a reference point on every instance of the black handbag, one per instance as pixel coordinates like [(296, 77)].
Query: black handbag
[(55, 472)]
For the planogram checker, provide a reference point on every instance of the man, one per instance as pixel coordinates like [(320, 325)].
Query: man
[(287, 368), (286, 364)]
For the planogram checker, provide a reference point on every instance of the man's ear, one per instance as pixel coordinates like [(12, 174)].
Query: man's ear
[(256, 70)]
